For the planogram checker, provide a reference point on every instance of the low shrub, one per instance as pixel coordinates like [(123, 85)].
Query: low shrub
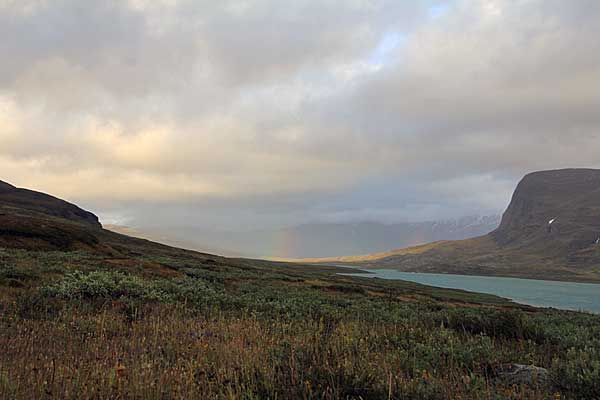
[(578, 373), (110, 285), (507, 324)]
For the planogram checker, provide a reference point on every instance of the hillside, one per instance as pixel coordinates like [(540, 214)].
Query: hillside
[(569, 199), (35, 220), (89, 313), (550, 230), (16, 201)]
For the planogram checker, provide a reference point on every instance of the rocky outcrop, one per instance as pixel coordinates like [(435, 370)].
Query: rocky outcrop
[(518, 374)]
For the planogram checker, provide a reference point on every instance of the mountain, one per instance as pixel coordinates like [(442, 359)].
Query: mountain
[(322, 240), (561, 208), (13, 199), (550, 230), (318, 239), (38, 221)]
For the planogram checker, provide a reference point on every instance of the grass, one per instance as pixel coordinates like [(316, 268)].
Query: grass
[(483, 256), (159, 323)]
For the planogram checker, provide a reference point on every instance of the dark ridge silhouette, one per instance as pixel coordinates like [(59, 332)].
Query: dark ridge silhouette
[(13, 199), (5, 186), (37, 221)]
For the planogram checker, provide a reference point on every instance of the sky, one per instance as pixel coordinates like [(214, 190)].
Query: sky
[(246, 114)]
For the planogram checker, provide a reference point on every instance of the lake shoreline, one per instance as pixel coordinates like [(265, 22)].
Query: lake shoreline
[(572, 296), (368, 269)]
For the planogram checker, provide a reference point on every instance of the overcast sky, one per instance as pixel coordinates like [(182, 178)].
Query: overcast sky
[(262, 113)]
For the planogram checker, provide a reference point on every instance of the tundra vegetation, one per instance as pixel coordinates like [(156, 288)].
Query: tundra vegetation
[(168, 325)]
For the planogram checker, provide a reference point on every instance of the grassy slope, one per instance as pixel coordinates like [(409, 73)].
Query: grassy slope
[(101, 315), (259, 328), (477, 256)]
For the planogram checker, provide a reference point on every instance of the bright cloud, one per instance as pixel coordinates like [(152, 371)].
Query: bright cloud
[(259, 105)]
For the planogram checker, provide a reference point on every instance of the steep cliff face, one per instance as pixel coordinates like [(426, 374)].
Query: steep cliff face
[(558, 208), (14, 200)]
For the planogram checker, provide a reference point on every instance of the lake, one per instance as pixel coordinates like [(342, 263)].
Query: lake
[(563, 295)]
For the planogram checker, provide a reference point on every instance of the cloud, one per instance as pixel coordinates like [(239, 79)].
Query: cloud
[(298, 110), (485, 85)]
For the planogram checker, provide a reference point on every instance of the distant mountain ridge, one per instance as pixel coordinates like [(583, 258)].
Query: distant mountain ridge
[(322, 239), (317, 240), (550, 230)]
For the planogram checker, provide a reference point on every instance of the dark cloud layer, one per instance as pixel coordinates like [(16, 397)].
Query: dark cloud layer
[(274, 113)]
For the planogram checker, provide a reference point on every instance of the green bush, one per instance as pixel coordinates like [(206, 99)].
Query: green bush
[(105, 285), (508, 324), (579, 373), (109, 285)]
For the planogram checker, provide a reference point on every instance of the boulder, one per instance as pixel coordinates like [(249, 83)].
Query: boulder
[(519, 374)]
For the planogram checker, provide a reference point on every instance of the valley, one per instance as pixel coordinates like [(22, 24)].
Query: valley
[(89, 313)]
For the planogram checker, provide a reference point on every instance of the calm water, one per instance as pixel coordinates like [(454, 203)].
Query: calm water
[(565, 295)]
